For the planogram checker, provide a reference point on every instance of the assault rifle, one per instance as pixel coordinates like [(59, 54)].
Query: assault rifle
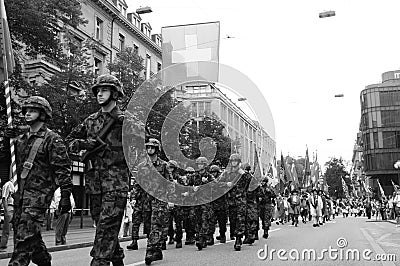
[(100, 140)]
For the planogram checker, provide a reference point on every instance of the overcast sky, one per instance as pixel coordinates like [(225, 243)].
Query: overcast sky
[(300, 61)]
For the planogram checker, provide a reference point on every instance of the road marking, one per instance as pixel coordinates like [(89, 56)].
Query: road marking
[(382, 237), (217, 244), (376, 247)]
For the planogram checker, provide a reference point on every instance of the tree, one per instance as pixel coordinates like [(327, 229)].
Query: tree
[(35, 25), (127, 68), (68, 91), (335, 171)]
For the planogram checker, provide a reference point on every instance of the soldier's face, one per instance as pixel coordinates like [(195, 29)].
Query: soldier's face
[(103, 94), (150, 150), (31, 114), (201, 166), (235, 163)]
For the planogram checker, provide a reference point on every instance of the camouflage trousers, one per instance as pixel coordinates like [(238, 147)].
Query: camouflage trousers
[(29, 244), (169, 227), (232, 212), (202, 220), (106, 246), (221, 216), (178, 217), (159, 219), (266, 213), (95, 207), (189, 218), (212, 221), (139, 215), (251, 219), (240, 227)]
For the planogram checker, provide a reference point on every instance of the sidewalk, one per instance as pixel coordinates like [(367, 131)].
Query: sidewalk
[(76, 237)]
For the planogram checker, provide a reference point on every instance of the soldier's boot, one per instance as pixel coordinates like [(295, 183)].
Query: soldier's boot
[(118, 262), (210, 240), (232, 237), (238, 243), (133, 245), (164, 245), (171, 240), (153, 255), (204, 241), (252, 239), (189, 240), (222, 239), (256, 236), (178, 243), (218, 237), (47, 263), (246, 240), (199, 243), (265, 235)]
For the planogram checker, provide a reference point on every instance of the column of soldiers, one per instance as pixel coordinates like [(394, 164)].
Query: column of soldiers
[(45, 164)]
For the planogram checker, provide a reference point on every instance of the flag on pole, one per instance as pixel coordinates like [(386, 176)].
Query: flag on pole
[(307, 171), (189, 45), (6, 69), (396, 187), (294, 176), (345, 188), (382, 192), (282, 174), (257, 177)]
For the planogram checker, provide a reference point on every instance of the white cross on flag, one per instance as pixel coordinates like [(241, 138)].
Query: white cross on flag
[(192, 44)]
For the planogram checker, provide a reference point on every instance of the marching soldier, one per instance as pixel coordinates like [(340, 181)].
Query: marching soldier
[(234, 173), (141, 214), (203, 211), (220, 208), (159, 209), (267, 207), (42, 165), (251, 211), (107, 173), (189, 211)]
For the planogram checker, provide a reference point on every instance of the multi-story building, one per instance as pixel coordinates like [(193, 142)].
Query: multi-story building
[(110, 28), (380, 129), (207, 99)]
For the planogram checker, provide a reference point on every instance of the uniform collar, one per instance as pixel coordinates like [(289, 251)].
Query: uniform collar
[(40, 133)]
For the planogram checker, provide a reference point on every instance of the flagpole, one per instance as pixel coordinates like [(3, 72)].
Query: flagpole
[(13, 166)]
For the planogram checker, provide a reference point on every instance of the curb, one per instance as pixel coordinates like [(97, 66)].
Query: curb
[(7, 255)]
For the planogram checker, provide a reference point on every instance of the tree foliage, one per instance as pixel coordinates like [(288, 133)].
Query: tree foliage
[(36, 25), (335, 170)]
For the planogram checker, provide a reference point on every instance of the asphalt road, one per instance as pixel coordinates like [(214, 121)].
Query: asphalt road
[(343, 239)]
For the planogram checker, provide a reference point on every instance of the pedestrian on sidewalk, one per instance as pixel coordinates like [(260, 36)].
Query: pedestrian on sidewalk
[(316, 206), (8, 206), (396, 203), (127, 219), (63, 219), (106, 173), (42, 165)]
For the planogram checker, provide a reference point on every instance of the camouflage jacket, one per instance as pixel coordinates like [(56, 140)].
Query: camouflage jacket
[(107, 169), (51, 168), (266, 195), (141, 196), (241, 179), (149, 174)]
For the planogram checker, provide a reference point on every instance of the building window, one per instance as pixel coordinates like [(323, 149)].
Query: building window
[(98, 66), (148, 66), (193, 109), (99, 29), (390, 118), (223, 112), (201, 108), (207, 108), (230, 117), (376, 143), (158, 66), (121, 42)]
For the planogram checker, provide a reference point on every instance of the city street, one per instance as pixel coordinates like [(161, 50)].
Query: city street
[(360, 233)]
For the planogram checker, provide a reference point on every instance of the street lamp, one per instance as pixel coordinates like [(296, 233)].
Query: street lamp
[(143, 10), (241, 99), (397, 166), (327, 14)]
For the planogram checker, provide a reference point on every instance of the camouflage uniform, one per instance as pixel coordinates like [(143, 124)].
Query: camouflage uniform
[(203, 211), (51, 167), (251, 212), (141, 211), (267, 208), (178, 211), (159, 208), (107, 174)]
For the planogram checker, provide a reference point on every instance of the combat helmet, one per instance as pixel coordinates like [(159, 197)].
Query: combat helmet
[(215, 168), (235, 157), (108, 80), (202, 160), (154, 143), (38, 102)]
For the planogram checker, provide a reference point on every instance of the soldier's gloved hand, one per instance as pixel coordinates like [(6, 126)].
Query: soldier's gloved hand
[(89, 144), (65, 202), (170, 205), (185, 194), (11, 132), (229, 184), (195, 188), (204, 179)]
